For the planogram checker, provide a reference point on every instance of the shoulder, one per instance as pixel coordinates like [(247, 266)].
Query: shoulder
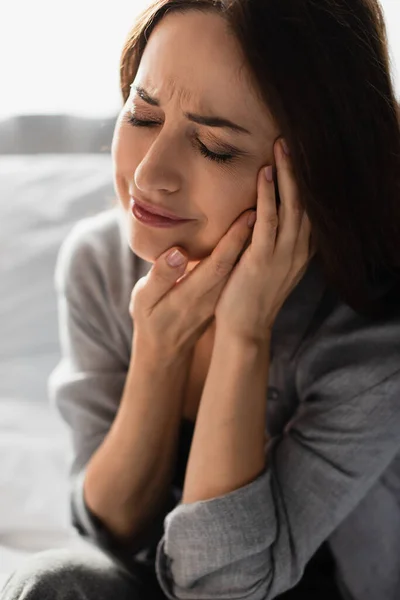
[(95, 263), (348, 353), (90, 243)]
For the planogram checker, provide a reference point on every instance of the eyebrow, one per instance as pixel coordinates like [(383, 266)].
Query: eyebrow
[(201, 120)]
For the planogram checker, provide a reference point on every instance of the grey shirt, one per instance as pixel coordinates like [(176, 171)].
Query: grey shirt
[(333, 417)]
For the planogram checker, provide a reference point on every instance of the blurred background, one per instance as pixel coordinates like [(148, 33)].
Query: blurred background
[(60, 97)]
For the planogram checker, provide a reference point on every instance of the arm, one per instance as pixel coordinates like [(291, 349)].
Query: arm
[(227, 450), (128, 477), (111, 398), (253, 542)]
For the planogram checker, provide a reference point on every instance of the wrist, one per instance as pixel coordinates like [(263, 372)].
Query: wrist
[(154, 355), (226, 338)]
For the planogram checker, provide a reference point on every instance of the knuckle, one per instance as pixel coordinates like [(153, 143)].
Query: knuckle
[(297, 209), (222, 267), (272, 226), (159, 275), (272, 221), (140, 286), (138, 291)]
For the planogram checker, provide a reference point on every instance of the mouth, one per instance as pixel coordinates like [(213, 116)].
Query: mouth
[(156, 210), (153, 219)]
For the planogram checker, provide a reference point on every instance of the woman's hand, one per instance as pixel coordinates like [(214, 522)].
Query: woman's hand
[(274, 261), (171, 309)]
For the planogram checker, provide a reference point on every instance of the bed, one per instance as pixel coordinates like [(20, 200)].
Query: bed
[(53, 172)]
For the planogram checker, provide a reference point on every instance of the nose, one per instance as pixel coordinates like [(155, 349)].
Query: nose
[(160, 168)]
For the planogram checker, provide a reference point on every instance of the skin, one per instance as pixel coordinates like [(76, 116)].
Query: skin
[(190, 64), (193, 64)]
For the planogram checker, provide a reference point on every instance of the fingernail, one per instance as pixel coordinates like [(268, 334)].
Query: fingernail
[(268, 173), (285, 147), (252, 218), (175, 258)]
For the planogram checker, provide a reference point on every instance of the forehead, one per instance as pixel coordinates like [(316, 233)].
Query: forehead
[(193, 57)]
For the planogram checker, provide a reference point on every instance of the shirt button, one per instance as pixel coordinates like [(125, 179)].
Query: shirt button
[(273, 393)]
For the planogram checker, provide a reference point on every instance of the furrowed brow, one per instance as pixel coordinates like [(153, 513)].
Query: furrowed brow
[(200, 119)]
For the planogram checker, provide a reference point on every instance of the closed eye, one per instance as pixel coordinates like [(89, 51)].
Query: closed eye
[(220, 158)]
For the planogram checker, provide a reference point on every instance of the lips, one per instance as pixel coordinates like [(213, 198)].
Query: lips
[(156, 210)]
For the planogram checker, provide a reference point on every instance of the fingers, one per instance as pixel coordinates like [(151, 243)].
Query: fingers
[(208, 278), (305, 248), (205, 277), (220, 263), (164, 273), (281, 234), (266, 227), (291, 211)]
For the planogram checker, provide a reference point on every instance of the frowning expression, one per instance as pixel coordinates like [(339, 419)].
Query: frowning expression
[(192, 135)]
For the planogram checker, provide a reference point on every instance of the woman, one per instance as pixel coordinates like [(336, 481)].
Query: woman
[(235, 413)]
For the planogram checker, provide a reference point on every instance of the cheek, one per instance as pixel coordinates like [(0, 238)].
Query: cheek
[(123, 160), (225, 203), (121, 148), (230, 201)]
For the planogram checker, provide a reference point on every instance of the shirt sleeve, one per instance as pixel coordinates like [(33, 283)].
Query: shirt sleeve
[(86, 387), (254, 542)]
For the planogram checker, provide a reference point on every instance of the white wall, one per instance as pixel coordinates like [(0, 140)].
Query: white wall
[(60, 57)]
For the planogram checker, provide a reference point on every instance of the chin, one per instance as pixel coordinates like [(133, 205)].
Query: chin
[(149, 250), (147, 256), (150, 255), (149, 244)]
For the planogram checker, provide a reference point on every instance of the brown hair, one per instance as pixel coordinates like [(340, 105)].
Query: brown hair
[(323, 69)]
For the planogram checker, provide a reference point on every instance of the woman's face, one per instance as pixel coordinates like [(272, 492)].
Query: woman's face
[(191, 64)]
